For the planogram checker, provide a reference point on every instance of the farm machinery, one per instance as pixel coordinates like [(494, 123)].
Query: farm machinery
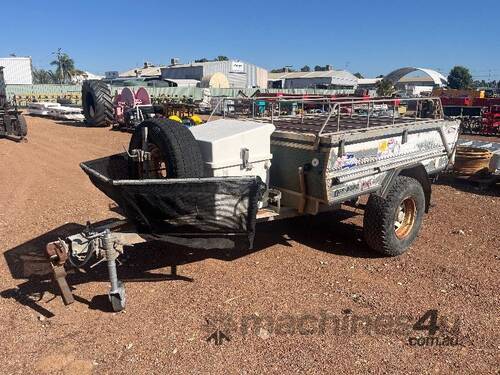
[(491, 120), (132, 107), (127, 108), (477, 115), (12, 123)]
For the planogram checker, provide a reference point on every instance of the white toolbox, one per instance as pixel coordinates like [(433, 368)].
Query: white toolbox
[(235, 148)]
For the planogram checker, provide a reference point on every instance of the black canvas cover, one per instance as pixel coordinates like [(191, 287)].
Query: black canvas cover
[(203, 208)]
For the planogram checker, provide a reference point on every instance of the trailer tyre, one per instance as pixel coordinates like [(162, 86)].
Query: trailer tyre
[(97, 103), (174, 150), (22, 127), (391, 224)]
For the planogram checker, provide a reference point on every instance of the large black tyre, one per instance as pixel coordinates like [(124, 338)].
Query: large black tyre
[(21, 127), (172, 146), (97, 103), (391, 224)]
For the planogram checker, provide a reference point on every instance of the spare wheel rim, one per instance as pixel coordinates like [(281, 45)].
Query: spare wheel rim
[(158, 166)]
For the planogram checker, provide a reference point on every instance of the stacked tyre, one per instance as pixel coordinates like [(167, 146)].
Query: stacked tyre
[(97, 103)]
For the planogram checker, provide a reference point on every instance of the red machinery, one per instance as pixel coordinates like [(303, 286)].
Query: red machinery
[(479, 115), (132, 107), (491, 120), (459, 102)]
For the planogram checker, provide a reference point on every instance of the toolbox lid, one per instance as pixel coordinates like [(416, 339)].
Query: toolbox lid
[(221, 141)]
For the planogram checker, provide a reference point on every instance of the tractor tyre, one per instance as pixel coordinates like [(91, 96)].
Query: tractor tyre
[(21, 128), (97, 103), (174, 150), (391, 224)]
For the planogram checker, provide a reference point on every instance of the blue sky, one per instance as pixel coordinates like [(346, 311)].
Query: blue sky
[(372, 37)]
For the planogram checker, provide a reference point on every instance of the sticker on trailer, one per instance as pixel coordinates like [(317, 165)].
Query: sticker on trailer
[(391, 146), (349, 160), (359, 186)]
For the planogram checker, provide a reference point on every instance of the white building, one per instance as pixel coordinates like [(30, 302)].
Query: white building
[(223, 74), (85, 76), (410, 80), (17, 70), (327, 79)]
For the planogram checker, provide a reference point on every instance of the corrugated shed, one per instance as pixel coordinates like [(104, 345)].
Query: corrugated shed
[(240, 74), (183, 72), (397, 74), (262, 77), (320, 74), (310, 79), (17, 70), (238, 80), (184, 82)]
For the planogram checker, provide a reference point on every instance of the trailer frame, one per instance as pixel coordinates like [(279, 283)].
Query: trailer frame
[(321, 140)]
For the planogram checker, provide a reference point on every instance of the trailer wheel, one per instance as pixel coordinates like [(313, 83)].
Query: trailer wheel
[(174, 150), (97, 103), (391, 224), (22, 127)]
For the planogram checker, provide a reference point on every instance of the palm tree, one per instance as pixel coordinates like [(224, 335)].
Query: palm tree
[(44, 76), (65, 67)]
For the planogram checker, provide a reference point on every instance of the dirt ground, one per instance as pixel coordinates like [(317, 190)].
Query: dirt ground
[(327, 304)]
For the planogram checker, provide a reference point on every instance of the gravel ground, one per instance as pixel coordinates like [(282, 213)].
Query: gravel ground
[(326, 303)]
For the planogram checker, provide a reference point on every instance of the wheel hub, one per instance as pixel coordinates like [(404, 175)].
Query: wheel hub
[(158, 166), (405, 217)]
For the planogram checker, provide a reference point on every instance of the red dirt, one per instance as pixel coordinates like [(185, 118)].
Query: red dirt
[(303, 266)]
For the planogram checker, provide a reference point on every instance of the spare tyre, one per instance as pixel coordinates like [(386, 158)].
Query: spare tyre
[(174, 150), (97, 103)]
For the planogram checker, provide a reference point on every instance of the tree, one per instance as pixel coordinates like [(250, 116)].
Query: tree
[(380, 76), (484, 84), (44, 76), (65, 67), (202, 60), (459, 78), (305, 68), (282, 70), (385, 88), (358, 75), (319, 68), (221, 58)]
